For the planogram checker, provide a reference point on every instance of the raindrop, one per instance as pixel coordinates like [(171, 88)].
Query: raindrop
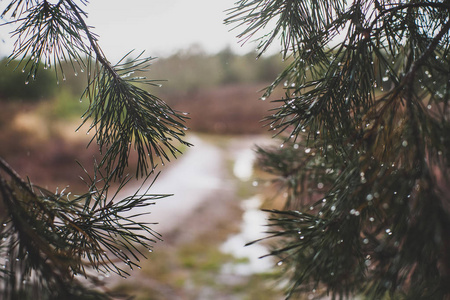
[(26, 82), (282, 145), (280, 263), (333, 208), (371, 219), (366, 241), (429, 106), (255, 183), (388, 231), (307, 150), (295, 146), (301, 237), (405, 143), (385, 78), (320, 185), (369, 197)]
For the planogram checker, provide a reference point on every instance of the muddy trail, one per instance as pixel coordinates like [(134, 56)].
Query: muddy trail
[(213, 213)]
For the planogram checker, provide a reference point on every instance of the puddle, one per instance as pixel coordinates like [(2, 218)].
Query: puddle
[(243, 165), (252, 228)]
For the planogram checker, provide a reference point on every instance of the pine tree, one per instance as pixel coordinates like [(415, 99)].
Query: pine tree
[(48, 238), (364, 155)]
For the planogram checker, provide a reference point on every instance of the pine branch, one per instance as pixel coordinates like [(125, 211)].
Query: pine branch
[(380, 100)]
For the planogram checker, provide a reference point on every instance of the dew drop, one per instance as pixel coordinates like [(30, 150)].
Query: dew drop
[(307, 150)]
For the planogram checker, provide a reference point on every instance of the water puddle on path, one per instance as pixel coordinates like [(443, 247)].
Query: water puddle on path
[(252, 227), (253, 221)]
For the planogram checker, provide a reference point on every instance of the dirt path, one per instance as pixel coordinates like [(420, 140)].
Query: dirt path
[(193, 179), (205, 210), (199, 175)]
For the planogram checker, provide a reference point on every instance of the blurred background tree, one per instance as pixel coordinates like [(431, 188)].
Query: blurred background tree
[(54, 244), (363, 162)]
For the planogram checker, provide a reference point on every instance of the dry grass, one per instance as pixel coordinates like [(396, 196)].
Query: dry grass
[(229, 109)]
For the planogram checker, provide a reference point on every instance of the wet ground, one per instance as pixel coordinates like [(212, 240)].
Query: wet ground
[(214, 212)]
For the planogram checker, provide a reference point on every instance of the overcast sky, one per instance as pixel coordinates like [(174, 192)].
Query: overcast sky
[(160, 27)]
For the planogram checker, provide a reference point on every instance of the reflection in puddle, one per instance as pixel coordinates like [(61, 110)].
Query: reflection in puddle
[(252, 227), (243, 166)]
